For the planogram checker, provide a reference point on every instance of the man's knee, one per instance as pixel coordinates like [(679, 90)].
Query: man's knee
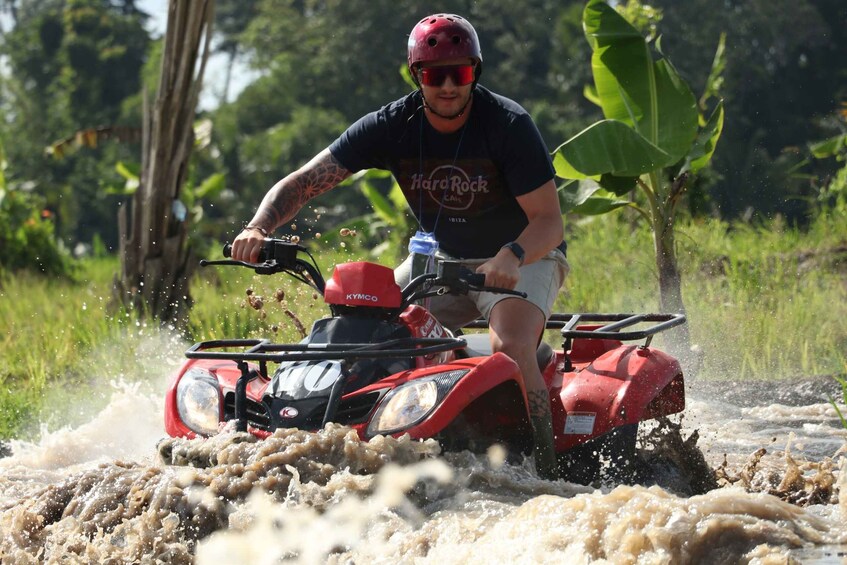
[(515, 346), (516, 326)]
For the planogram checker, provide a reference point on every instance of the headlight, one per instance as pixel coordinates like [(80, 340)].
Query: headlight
[(198, 400), (410, 403)]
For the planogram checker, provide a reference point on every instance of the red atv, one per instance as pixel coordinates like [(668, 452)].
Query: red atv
[(384, 365)]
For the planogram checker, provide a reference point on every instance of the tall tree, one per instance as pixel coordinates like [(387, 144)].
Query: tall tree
[(156, 261), (231, 19), (785, 72), (72, 65)]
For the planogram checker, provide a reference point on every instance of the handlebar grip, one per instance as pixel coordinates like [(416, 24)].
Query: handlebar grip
[(227, 250), (475, 279)]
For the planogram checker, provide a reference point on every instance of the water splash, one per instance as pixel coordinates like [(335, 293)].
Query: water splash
[(101, 492)]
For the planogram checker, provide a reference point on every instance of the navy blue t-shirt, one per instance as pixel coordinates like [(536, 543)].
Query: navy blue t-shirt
[(460, 185)]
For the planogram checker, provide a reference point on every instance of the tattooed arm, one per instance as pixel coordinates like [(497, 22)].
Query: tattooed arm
[(284, 200)]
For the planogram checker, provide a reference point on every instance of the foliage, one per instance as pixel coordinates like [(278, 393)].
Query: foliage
[(762, 302), (784, 66), (833, 192), (71, 66), (231, 19), (197, 196), (843, 382), (651, 116), (27, 236), (387, 229), (92, 344), (650, 139)]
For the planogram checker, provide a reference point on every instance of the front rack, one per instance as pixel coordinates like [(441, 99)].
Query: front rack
[(263, 351)]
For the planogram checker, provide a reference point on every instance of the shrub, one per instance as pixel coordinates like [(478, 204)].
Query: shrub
[(27, 236)]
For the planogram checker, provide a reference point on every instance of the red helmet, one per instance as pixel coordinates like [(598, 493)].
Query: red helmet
[(443, 36)]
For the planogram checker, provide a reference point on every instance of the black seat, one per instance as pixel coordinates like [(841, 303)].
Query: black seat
[(479, 345)]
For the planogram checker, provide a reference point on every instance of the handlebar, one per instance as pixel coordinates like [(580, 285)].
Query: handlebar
[(279, 255), (452, 277)]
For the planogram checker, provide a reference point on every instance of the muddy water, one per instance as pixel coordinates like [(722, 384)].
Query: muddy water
[(104, 492)]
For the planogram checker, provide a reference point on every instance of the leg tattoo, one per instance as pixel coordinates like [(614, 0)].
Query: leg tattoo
[(542, 427)]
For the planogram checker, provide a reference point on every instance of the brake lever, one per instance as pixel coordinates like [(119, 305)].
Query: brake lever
[(267, 268), (207, 263), (476, 282)]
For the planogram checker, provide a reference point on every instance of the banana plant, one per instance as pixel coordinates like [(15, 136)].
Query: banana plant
[(651, 138)]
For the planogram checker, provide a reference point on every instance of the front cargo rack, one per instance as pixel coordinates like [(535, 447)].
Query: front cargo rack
[(264, 351)]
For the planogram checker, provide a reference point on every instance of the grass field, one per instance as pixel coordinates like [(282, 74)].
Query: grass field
[(764, 302)]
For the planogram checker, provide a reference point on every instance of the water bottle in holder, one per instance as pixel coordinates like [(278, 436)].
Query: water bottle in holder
[(422, 248)]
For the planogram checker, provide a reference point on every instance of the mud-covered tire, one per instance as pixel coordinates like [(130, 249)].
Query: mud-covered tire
[(610, 457)]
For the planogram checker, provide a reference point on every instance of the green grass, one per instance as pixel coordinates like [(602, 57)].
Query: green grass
[(764, 302)]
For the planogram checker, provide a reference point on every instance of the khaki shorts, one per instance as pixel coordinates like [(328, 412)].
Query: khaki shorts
[(540, 281)]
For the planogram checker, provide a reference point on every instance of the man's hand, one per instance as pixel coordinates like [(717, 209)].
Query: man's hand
[(501, 270), (247, 245)]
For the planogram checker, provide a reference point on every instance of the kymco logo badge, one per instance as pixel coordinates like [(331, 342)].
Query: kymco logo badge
[(289, 412)]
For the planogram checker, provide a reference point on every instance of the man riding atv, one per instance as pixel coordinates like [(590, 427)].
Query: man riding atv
[(478, 177)]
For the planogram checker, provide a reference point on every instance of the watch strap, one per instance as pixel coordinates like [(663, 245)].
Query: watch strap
[(518, 251)]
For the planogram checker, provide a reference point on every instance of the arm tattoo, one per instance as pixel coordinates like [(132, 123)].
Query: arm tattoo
[(285, 199), (539, 404)]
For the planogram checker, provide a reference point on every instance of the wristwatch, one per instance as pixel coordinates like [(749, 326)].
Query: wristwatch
[(515, 248)]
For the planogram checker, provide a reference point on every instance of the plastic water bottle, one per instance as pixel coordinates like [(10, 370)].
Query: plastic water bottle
[(422, 247)]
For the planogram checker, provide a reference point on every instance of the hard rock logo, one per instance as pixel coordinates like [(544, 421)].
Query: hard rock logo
[(451, 185)]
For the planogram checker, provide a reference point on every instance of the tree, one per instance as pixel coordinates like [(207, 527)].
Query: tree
[(231, 19), (785, 70), (650, 139), (156, 262), (72, 65)]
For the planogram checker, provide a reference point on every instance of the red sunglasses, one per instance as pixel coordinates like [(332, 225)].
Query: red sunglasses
[(435, 76)]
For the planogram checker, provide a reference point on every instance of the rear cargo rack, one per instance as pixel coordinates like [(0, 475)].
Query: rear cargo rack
[(610, 328), (613, 323), (569, 325)]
